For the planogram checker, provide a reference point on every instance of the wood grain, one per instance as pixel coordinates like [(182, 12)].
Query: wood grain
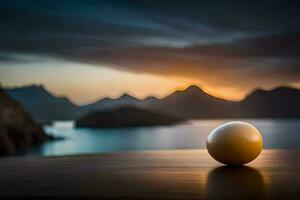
[(178, 174)]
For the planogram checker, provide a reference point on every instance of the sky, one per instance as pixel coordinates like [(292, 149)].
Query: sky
[(91, 49)]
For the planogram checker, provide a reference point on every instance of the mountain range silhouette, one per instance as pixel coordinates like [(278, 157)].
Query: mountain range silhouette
[(193, 102)]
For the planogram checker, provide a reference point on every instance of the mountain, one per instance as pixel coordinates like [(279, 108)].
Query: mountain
[(42, 105), (17, 129), (126, 117), (281, 102), (193, 103), (109, 103), (150, 99)]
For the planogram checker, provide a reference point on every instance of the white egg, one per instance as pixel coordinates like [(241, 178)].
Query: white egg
[(234, 143)]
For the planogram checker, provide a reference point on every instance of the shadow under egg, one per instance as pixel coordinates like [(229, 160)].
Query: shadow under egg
[(235, 182)]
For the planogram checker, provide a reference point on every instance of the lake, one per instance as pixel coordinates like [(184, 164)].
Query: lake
[(277, 134)]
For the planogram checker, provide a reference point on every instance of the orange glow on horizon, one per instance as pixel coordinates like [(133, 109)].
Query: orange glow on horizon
[(84, 84)]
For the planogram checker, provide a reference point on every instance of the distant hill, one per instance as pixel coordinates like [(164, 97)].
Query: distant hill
[(109, 103), (282, 102), (42, 105), (192, 102), (126, 117), (17, 129), (189, 103)]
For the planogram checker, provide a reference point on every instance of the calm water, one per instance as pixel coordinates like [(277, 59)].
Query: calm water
[(192, 135)]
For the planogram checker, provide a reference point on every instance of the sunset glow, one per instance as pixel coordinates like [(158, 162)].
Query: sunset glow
[(146, 49), (84, 83)]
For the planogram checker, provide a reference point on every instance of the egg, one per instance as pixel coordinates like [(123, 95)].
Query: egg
[(234, 143)]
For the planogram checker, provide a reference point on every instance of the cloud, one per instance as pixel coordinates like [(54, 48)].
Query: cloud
[(225, 43)]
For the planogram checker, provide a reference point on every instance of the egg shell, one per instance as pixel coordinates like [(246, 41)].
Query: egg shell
[(234, 143)]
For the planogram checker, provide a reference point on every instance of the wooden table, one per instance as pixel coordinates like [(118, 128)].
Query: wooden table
[(178, 174)]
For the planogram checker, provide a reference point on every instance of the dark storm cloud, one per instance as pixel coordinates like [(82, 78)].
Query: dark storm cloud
[(236, 39)]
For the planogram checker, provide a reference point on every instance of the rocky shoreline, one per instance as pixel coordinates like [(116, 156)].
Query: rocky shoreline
[(17, 129)]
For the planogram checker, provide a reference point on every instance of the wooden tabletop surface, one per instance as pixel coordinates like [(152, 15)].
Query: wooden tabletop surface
[(178, 174)]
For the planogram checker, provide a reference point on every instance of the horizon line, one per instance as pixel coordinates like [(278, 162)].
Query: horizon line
[(142, 99)]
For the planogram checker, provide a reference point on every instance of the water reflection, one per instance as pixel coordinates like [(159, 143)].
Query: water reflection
[(277, 134), (237, 182)]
